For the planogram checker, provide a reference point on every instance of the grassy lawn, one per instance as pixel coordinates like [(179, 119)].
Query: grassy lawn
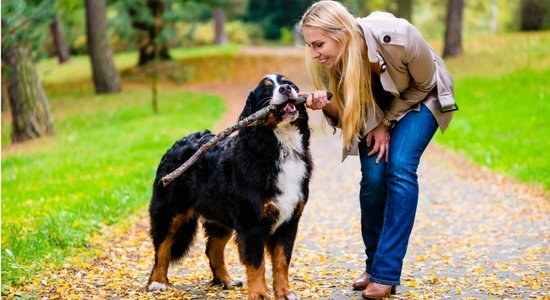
[(95, 171), (78, 68), (503, 90)]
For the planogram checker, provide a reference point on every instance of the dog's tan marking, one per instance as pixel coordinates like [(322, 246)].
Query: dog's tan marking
[(270, 209), (268, 82), (257, 287), (271, 120), (284, 78), (299, 209), (164, 253), (281, 286), (215, 252)]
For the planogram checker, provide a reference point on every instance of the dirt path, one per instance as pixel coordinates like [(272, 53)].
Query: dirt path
[(477, 236)]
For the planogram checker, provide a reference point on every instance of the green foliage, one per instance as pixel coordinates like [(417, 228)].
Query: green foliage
[(480, 17), (274, 15), (238, 32), (25, 24), (287, 37), (97, 170)]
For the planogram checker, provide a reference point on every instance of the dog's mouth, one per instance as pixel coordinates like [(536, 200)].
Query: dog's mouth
[(289, 112)]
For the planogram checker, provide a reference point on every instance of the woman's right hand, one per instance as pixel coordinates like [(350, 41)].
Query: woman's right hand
[(381, 138), (316, 100)]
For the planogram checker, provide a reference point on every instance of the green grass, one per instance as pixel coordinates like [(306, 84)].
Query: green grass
[(502, 89), (502, 124), (97, 170), (78, 68)]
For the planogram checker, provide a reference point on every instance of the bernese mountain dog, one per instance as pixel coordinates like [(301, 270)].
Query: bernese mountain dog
[(252, 185)]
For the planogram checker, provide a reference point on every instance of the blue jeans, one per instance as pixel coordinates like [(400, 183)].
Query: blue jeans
[(389, 195)]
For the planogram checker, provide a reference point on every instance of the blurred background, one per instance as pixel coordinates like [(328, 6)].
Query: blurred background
[(94, 92)]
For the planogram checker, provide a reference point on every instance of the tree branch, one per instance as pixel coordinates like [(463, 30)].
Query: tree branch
[(166, 180)]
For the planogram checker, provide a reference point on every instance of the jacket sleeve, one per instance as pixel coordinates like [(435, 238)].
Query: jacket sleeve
[(418, 58)]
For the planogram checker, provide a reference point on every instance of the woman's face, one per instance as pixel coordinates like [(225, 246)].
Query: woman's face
[(323, 48)]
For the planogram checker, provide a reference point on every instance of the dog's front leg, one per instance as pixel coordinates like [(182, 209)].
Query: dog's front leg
[(251, 251), (280, 246), (257, 287)]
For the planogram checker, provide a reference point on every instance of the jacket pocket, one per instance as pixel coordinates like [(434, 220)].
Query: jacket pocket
[(392, 38)]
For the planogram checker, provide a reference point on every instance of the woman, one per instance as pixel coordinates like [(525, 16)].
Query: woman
[(391, 92)]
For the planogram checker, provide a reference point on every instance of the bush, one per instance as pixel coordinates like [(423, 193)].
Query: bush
[(198, 34)]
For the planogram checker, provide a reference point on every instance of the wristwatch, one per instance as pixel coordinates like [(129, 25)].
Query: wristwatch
[(388, 124)]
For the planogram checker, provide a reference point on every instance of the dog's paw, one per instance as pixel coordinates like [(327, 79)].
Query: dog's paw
[(288, 296), (258, 296), (233, 284), (157, 286)]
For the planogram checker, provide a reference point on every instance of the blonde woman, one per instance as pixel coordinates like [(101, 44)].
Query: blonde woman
[(391, 92)]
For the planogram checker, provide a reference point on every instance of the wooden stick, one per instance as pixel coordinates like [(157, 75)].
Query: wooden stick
[(166, 180)]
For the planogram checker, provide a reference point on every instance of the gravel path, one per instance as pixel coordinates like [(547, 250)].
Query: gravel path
[(478, 235)]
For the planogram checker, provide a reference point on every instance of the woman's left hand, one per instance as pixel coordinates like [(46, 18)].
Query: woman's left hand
[(381, 146)]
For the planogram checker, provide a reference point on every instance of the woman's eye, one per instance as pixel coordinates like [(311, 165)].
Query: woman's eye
[(318, 45)]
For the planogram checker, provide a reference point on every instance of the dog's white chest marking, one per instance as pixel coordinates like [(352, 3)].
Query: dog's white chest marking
[(292, 172)]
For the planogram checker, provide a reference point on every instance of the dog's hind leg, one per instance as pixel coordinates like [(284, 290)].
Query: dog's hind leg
[(174, 245), (217, 238)]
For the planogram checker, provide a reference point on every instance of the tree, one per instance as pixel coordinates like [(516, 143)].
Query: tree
[(453, 32), (533, 13), (404, 9), (58, 35), (106, 79), (146, 21), (219, 20), (31, 117)]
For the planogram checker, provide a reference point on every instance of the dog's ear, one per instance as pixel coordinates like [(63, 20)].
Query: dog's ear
[(249, 106)]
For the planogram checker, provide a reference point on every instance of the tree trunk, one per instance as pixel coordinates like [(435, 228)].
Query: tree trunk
[(219, 21), (148, 45), (453, 33), (59, 39), (29, 105), (404, 9), (532, 14), (106, 79)]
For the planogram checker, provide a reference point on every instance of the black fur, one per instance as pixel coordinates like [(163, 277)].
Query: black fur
[(232, 185)]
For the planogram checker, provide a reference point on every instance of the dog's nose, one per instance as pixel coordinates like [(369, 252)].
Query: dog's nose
[(285, 89)]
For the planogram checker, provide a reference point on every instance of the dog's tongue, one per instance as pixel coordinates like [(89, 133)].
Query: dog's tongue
[(289, 108)]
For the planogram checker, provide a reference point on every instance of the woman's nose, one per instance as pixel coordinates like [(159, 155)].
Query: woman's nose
[(315, 54)]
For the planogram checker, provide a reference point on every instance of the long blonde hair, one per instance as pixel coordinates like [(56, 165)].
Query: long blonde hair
[(350, 78)]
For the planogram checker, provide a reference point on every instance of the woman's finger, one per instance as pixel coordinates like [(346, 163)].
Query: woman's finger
[(369, 138), (375, 148), (381, 153)]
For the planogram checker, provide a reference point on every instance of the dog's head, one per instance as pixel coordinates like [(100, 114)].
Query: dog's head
[(274, 89)]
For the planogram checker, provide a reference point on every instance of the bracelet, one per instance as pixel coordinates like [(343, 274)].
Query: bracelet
[(388, 124)]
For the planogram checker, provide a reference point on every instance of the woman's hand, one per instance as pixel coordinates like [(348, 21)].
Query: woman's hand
[(316, 100), (381, 138)]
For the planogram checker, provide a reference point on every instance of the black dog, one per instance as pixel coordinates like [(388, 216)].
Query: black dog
[(253, 184)]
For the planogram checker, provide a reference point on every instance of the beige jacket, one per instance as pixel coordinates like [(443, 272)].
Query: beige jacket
[(410, 70)]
